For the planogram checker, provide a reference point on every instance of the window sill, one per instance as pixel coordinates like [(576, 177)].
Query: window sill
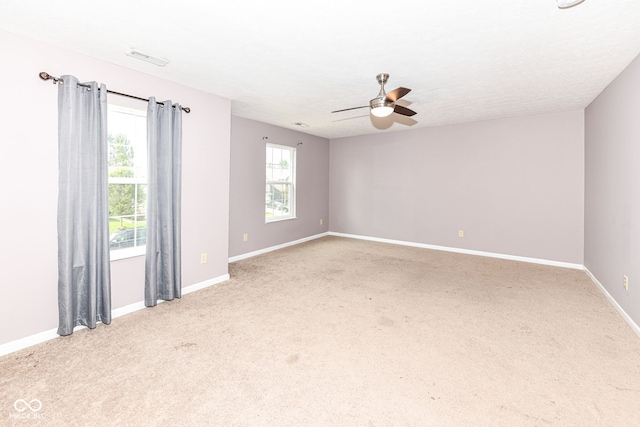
[(119, 254), (269, 221)]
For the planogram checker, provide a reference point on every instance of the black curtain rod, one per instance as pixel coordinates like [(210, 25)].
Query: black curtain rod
[(47, 76)]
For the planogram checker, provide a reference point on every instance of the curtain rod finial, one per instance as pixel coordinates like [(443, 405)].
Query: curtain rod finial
[(46, 76)]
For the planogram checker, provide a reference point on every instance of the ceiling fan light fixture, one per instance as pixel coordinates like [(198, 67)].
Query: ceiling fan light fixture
[(381, 107), (566, 4), (381, 111)]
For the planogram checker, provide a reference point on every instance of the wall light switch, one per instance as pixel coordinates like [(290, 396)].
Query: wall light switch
[(203, 258), (321, 221), (245, 237), (625, 282)]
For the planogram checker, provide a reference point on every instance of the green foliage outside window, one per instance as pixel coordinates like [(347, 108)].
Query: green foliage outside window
[(124, 198)]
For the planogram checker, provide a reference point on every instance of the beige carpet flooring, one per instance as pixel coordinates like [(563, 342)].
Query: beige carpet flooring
[(342, 332)]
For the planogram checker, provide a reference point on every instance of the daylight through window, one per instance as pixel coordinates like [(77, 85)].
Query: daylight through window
[(280, 183), (127, 180)]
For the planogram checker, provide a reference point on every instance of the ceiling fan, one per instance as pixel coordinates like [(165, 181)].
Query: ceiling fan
[(385, 103)]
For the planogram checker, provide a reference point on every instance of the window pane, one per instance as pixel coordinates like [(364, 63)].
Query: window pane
[(280, 178), (127, 178)]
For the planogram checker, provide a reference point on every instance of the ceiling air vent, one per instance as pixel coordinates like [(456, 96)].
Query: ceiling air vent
[(144, 57)]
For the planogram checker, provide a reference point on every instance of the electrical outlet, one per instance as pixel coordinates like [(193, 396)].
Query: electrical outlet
[(460, 233), (245, 237), (203, 258), (625, 282), (321, 221)]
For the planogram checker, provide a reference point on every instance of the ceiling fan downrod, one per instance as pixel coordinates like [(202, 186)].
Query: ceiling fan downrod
[(382, 79)]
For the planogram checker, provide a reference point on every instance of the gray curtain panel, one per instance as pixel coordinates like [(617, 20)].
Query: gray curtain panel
[(84, 275), (164, 142)]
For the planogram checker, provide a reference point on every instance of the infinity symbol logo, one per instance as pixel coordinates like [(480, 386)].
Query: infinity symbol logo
[(22, 405)]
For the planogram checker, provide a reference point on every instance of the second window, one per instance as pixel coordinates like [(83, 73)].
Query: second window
[(280, 194)]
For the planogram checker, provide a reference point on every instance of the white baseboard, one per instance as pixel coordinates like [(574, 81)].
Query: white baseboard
[(634, 326), (187, 290), (41, 337), (464, 251), (205, 284), (25, 342), (275, 248)]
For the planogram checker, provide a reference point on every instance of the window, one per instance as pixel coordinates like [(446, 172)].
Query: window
[(280, 194), (127, 135)]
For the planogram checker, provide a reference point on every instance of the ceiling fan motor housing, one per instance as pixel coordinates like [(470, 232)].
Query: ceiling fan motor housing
[(381, 101)]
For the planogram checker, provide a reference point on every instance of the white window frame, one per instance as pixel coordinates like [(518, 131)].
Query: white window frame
[(291, 182), (123, 253)]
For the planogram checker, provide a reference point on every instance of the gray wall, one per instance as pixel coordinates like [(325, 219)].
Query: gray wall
[(612, 196), (247, 186), (29, 177), (515, 186)]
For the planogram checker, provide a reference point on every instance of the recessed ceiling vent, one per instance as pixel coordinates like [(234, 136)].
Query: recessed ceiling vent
[(160, 62)]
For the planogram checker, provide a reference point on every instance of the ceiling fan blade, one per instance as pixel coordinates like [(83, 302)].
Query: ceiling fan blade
[(352, 108), (398, 93), (403, 110)]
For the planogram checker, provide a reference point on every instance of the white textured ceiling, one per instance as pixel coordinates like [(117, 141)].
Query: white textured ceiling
[(282, 62)]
